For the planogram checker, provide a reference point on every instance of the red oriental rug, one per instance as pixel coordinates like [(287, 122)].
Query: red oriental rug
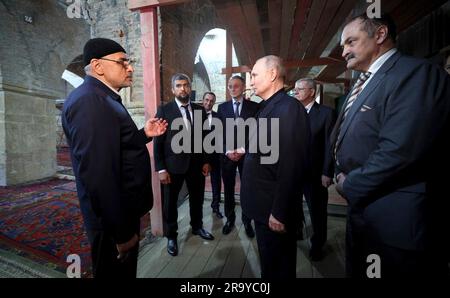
[(42, 222)]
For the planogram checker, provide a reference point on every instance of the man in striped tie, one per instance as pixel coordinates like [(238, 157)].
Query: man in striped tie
[(391, 153)]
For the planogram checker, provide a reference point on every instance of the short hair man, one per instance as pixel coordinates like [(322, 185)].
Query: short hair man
[(270, 191), (110, 159), (209, 99), (391, 149), (175, 168), (233, 109), (321, 120)]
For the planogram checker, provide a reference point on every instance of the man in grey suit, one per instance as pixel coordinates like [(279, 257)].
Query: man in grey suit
[(391, 150)]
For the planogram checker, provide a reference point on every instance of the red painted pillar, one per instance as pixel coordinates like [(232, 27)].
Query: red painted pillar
[(152, 98)]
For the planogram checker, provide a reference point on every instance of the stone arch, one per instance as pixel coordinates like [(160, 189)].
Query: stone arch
[(211, 56), (30, 82)]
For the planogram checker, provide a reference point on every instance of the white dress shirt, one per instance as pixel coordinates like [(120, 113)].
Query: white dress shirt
[(376, 65)]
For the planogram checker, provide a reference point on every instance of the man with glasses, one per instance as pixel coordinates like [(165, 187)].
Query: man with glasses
[(110, 159), (321, 119), (233, 159)]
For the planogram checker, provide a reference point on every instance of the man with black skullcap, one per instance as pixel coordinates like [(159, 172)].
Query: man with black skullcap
[(110, 159)]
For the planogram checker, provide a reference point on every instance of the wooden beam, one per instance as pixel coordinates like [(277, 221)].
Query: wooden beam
[(311, 24), (152, 99), (287, 20), (311, 62), (231, 14), (329, 12), (274, 7), (317, 47), (237, 69), (299, 23), (138, 4), (228, 63), (250, 11), (292, 64)]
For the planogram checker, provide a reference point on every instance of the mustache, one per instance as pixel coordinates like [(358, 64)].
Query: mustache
[(349, 56)]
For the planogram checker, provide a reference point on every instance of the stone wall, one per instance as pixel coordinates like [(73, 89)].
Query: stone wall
[(37, 41), (182, 30)]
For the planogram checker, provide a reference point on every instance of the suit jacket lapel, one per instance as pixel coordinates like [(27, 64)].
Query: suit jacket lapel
[(365, 93), (175, 111)]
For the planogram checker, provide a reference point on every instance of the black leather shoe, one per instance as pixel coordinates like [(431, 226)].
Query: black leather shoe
[(249, 230), (217, 212), (172, 247), (316, 255), (204, 234), (227, 227)]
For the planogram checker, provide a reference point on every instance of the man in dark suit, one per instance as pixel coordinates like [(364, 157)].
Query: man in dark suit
[(110, 159), (209, 99), (391, 149), (182, 160), (273, 179), (321, 120), (229, 111)]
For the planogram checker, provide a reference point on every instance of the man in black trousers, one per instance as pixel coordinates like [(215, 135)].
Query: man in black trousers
[(232, 159), (392, 156), (321, 119), (182, 160), (110, 159), (273, 179), (209, 99)]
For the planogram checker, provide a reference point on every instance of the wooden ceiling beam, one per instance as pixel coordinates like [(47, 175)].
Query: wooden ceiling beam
[(287, 17), (311, 24), (275, 10), (293, 64), (250, 11), (231, 15), (301, 12)]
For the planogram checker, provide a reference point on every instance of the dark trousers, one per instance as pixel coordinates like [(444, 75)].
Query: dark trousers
[(277, 252), (317, 199), (104, 256), (195, 182), (216, 181), (229, 182)]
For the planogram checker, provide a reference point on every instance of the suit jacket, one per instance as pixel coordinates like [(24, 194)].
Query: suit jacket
[(165, 157), (275, 188), (226, 110), (110, 160), (321, 119), (215, 156), (395, 154)]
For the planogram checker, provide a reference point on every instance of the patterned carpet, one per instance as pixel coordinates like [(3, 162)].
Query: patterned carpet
[(42, 222)]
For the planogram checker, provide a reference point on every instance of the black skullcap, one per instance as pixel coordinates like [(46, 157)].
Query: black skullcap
[(100, 47)]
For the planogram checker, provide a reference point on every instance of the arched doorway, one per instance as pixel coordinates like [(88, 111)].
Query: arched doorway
[(209, 61)]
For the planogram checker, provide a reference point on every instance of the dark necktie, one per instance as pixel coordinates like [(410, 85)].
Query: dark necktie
[(188, 115), (236, 109), (355, 92)]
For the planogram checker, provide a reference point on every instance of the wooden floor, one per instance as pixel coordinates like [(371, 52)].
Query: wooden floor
[(232, 255)]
